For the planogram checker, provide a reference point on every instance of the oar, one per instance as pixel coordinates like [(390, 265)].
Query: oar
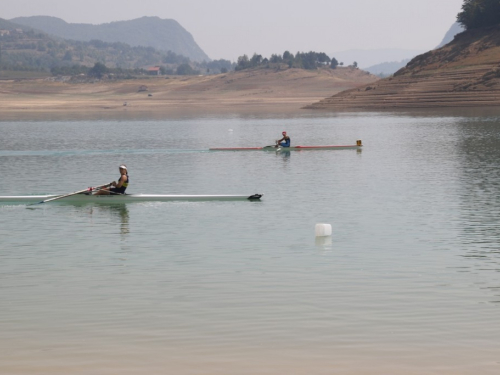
[(68, 195), (273, 147)]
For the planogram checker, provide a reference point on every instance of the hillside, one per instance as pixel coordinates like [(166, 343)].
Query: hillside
[(163, 35), (26, 52), (259, 89), (455, 29), (463, 73), (387, 68), (26, 49), (7, 25), (368, 58)]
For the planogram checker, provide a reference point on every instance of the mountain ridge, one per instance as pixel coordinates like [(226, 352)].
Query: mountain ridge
[(144, 31), (370, 57), (455, 29)]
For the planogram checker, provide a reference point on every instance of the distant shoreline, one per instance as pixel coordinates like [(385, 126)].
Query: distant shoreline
[(262, 90)]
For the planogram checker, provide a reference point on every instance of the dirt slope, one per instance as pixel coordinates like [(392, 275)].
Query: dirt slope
[(254, 88), (464, 73)]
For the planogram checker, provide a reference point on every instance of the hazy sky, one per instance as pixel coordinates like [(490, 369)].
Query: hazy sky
[(230, 28)]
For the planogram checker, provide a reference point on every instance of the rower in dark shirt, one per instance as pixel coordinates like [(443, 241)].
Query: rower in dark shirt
[(285, 139), (118, 187)]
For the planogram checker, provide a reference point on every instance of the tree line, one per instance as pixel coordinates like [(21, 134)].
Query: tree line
[(301, 60)]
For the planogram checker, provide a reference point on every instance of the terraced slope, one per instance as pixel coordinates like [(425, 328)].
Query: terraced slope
[(464, 73)]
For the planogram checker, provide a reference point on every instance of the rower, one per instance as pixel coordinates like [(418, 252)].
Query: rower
[(118, 187), (285, 139)]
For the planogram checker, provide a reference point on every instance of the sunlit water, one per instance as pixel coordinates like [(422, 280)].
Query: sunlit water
[(408, 283)]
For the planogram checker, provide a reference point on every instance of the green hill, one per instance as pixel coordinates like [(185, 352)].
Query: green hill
[(7, 25), (161, 34), (23, 49), (27, 49)]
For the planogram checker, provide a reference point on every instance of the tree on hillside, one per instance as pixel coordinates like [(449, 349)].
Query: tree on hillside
[(287, 56), (479, 13), (186, 70), (275, 58), (173, 58), (334, 63), (309, 60), (302, 60), (255, 60), (323, 58), (243, 63), (98, 70), (68, 56)]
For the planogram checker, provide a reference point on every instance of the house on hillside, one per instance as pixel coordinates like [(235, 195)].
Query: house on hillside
[(4, 32), (154, 71)]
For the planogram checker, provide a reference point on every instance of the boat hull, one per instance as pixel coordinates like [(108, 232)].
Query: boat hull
[(295, 148), (125, 198)]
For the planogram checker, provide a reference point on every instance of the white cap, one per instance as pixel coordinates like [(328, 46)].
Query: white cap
[(123, 166)]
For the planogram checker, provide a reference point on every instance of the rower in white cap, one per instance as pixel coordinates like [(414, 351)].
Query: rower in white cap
[(118, 187)]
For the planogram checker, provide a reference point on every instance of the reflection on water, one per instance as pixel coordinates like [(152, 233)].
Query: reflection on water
[(285, 155), (323, 242), (116, 213), (480, 200)]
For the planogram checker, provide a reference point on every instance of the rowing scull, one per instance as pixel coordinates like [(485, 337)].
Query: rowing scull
[(357, 146), (123, 198)]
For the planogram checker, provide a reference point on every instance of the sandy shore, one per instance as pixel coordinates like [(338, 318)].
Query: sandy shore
[(249, 91)]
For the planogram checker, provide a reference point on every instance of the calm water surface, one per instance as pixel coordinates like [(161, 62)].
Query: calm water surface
[(409, 282)]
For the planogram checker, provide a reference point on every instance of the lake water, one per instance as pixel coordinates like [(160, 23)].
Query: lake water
[(409, 282)]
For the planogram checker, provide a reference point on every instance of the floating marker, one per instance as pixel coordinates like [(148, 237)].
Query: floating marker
[(323, 230)]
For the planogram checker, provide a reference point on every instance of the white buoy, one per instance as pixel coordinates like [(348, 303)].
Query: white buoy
[(229, 130), (323, 230)]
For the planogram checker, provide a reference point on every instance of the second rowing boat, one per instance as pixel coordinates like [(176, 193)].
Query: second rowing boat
[(357, 146)]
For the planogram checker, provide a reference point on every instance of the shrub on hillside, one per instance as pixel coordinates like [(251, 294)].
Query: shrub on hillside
[(479, 13)]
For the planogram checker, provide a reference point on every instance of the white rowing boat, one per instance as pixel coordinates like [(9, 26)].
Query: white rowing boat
[(123, 198), (357, 146)]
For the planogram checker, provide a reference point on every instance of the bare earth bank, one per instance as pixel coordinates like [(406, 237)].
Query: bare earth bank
[(253, 90), (464, 73)]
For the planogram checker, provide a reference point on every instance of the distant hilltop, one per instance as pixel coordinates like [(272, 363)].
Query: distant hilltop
[(385, 62), (463, 73), (368, 58), (161, 34), (455, 29)]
